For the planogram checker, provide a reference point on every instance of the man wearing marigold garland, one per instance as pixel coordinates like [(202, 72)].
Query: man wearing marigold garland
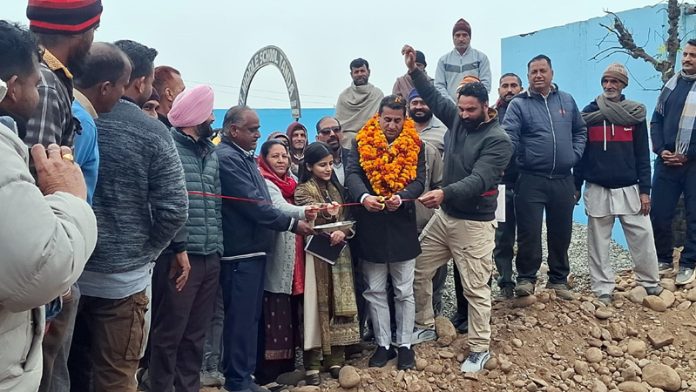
[(386, 170), (477, 150)]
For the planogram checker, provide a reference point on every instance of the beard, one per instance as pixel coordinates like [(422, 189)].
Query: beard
[(421, 116), (472, 123), (204, 130), (360, 81)]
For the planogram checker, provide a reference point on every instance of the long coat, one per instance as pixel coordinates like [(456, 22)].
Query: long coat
[(385, 236)]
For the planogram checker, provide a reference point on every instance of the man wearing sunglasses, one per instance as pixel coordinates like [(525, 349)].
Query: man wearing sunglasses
[(330, 132)]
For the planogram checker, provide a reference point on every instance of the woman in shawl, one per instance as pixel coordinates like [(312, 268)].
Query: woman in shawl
[(284, 279), (330, 309)]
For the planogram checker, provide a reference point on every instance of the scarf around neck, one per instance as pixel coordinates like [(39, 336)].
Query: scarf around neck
[(687, 120), (287, 184), (624, 112)]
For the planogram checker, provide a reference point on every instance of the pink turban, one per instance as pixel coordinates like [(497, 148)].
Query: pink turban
[(192, 107)]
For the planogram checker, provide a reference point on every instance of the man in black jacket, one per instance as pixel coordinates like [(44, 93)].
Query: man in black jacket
[(549, 135), (329, 131), (386, 227), (616, 170), (509, 85), (248, 233), (477, 150)]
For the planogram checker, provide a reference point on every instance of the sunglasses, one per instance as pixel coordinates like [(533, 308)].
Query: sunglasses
[(327, 131)]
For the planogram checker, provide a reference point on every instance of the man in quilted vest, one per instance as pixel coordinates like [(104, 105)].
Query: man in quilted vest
[(185, 280)]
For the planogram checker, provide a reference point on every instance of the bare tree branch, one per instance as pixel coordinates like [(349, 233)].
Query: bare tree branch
[(628, 45)]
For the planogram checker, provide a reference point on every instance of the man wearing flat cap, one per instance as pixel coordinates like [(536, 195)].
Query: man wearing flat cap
[(463, 60), (182, 309)]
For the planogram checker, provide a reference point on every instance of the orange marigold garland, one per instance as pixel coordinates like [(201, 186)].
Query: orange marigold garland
[(389, 168)]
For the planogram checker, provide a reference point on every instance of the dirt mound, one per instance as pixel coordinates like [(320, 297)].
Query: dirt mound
[(556, 345)]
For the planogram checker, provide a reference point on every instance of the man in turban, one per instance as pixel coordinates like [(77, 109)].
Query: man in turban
[(183, 307)]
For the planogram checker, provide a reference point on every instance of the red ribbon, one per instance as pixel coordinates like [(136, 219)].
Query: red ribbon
[(257, 201)]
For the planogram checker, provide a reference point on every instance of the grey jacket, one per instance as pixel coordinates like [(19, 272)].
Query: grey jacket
[(45, 242), (140, 200), (281, 258), (453, 67), (203, 229), (548, 133)]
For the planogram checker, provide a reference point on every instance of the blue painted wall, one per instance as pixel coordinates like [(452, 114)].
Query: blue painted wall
[(571, 48)]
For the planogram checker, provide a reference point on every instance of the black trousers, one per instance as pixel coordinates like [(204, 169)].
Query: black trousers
[(505, 241), (242, 294), (180, 321), (668, 184), (534, 196)]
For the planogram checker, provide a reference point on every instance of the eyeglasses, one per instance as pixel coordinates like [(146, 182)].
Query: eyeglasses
[(327, 131)]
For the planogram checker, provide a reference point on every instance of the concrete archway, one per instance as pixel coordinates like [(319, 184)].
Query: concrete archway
[(272, 55)]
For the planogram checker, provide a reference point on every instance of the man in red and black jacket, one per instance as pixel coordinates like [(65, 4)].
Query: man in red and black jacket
[(616, 169)]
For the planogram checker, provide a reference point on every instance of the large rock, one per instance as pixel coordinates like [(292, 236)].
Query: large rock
[(637, 294), (662, 376), (598, 386), (668, 284), (593, 355), (691, 295), (603, 313), (307, 388), (632, 386), (523, 302), (348, 377), (668, 298), (660, 337), (446, 333), (655, 303), (637, 348)]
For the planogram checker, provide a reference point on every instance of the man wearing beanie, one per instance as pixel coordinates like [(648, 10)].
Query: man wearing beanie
[(65, 30), (140, 202), (404, 84), (183, 303), (615, 168), (463, 60), (671, 130)]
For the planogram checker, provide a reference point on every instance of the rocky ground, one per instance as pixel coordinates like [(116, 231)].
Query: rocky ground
[(639, 343)]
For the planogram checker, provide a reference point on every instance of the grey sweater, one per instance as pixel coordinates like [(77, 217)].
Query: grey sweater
[(140, 200)]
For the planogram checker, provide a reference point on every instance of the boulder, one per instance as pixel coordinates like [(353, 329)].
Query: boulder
[(668, 298), (660, 337), (691, 295), (446, 333), (655, 303), (348, 377), (637, 294), (632, 386), (523, 302), (593, 355), (637, 348), (662, 376)]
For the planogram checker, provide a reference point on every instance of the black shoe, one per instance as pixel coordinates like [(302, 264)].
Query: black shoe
[(313, 379), (382, 356), (335, 371), (407, 359), (507, 292)]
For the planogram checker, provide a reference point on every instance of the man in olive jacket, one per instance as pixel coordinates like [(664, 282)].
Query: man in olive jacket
[(477, 150)]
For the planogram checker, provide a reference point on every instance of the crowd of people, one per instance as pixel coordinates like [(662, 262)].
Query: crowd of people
[(139, 250)]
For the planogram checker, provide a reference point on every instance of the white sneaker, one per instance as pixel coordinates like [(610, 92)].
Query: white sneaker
[(423, 335), (685, 276), (475, 362)]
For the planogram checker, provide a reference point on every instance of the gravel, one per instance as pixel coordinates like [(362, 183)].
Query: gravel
[(577, 254)]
